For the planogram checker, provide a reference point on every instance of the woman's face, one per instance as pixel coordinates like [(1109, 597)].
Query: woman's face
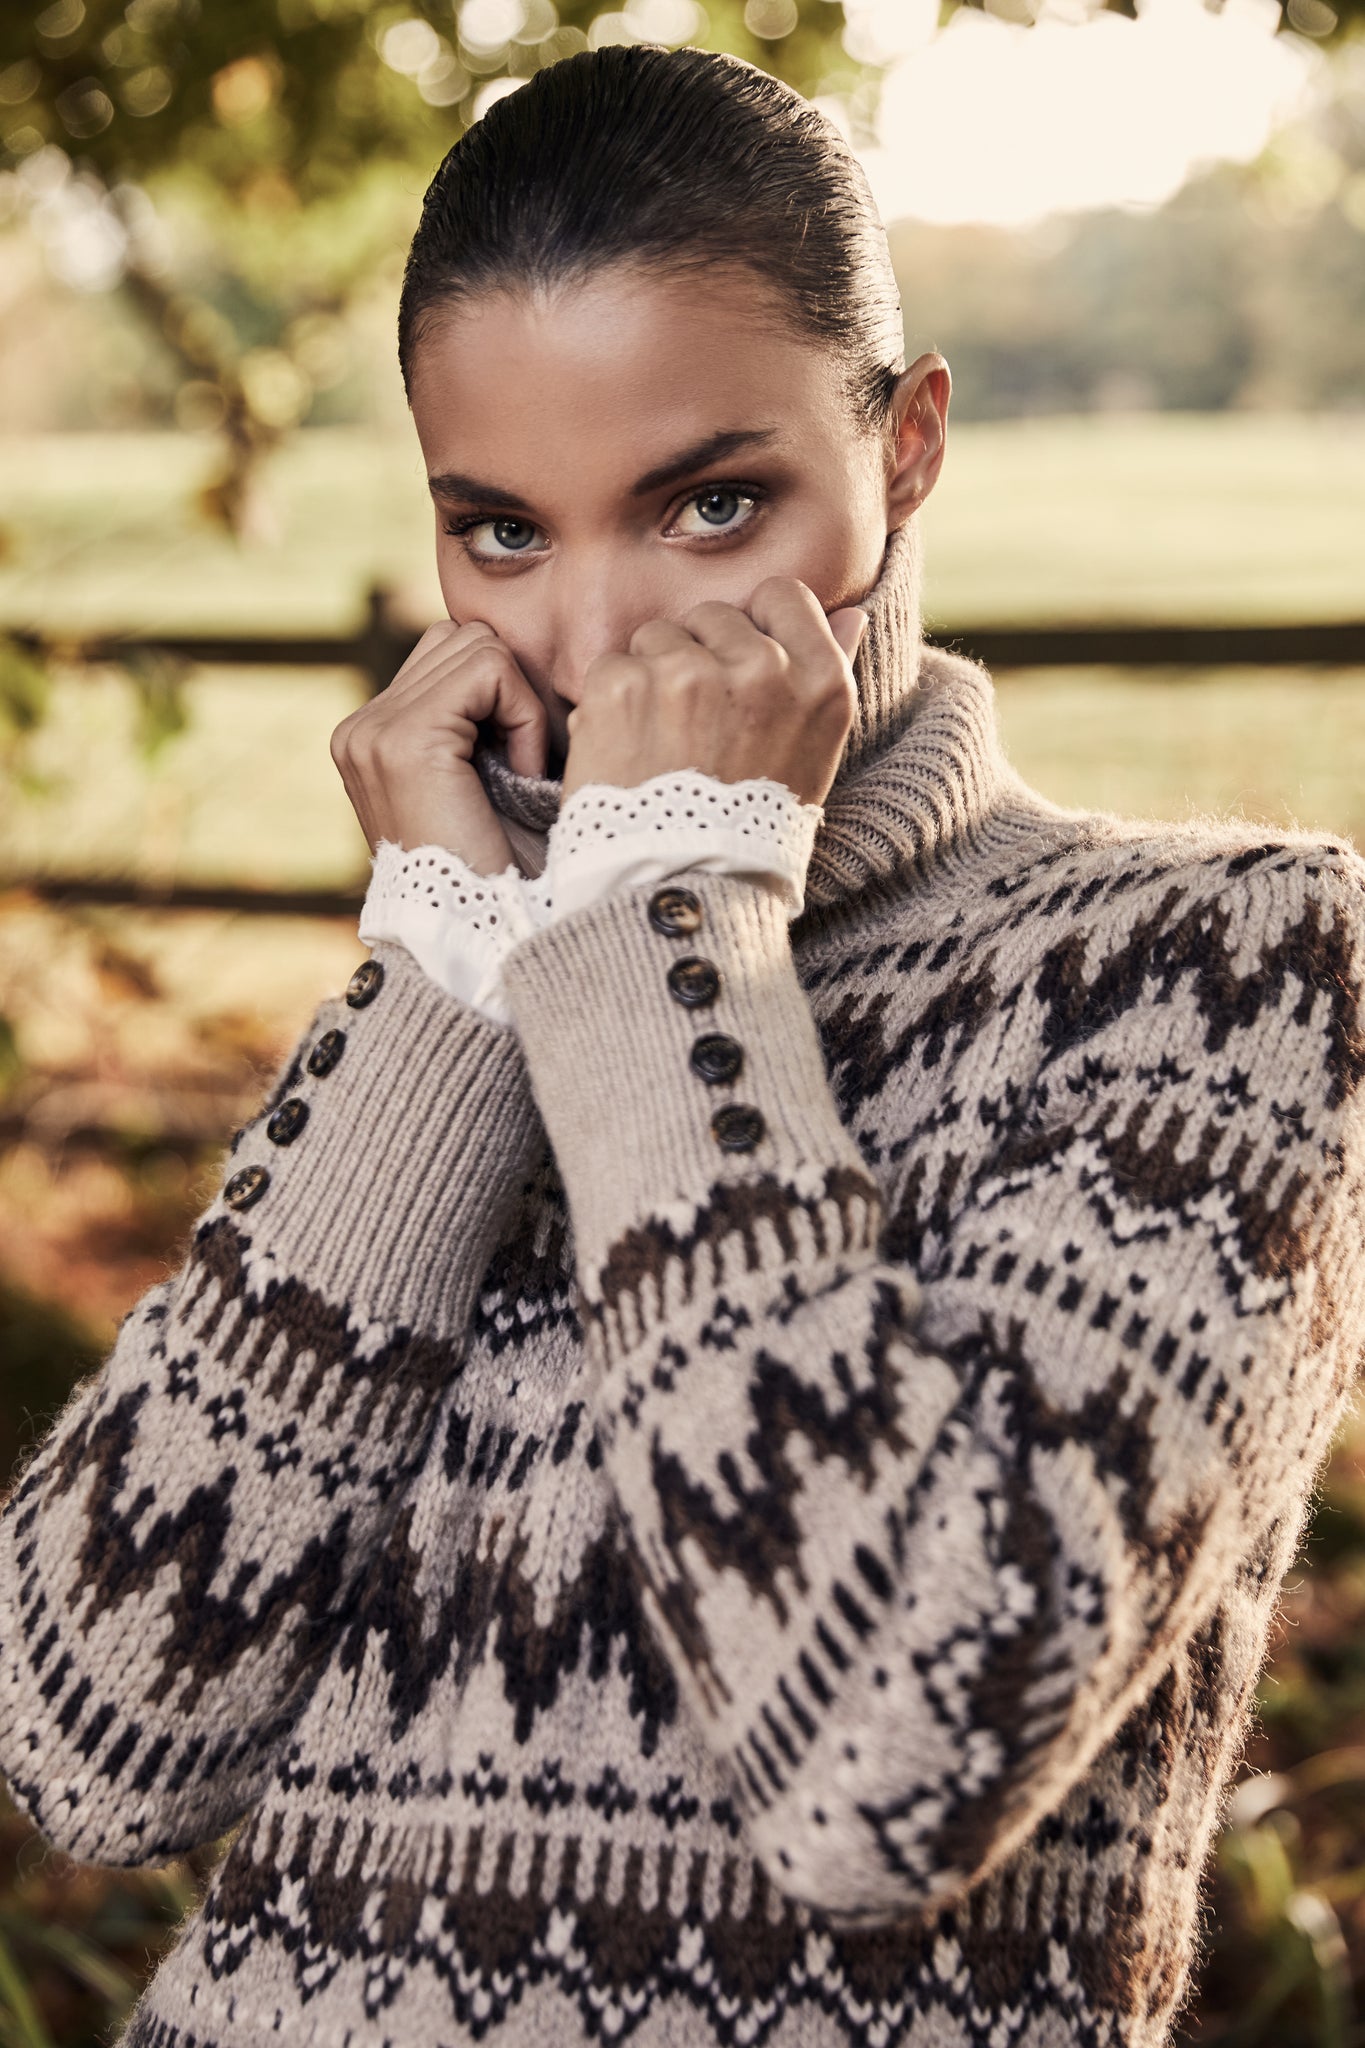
[(623, 449)]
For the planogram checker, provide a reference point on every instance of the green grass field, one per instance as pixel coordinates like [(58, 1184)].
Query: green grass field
[(1226, 518), (1236, 517)]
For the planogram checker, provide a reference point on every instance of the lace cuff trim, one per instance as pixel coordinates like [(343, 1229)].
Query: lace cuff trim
[(607, 838), (460, 925)]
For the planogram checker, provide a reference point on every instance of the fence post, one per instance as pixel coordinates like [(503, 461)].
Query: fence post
[(383, 644)]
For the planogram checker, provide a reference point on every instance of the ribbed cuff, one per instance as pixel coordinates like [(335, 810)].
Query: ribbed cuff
[(618, 1070), (390, 1195)]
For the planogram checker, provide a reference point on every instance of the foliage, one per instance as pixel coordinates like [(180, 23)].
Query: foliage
[(306, 125), (1284, 1919), (77, 1944), (1247, 289), (303, 91)]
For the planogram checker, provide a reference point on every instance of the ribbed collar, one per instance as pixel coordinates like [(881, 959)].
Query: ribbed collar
[(920, 770)]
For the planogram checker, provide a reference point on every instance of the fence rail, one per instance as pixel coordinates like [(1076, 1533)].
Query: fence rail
[(384, 640)]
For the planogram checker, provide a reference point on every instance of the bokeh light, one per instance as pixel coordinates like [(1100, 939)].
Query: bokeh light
[(994, 120)]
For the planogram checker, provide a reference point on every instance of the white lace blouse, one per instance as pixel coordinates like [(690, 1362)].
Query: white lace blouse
[(459, 925)]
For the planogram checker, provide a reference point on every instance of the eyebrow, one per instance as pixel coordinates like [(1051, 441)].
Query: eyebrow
[(455, 483)]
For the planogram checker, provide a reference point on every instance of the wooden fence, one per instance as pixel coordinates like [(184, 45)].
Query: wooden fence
[(384, 642), (62, 1114)]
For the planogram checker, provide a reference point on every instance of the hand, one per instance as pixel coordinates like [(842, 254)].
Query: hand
[(729, 693), (406, 757)]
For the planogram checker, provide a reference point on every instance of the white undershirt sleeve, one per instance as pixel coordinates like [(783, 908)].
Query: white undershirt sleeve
[(460, 926)]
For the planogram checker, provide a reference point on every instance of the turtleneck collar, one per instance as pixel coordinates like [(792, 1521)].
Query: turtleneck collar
[(921, 767)]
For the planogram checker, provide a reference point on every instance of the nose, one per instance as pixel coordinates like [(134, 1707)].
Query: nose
[(596, 609)]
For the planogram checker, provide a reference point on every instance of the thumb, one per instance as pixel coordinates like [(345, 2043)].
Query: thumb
[(848, 627)]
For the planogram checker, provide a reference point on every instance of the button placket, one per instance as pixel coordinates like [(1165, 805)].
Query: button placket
[(326, 1053), (716, 1058), (365, 984), (288, 1120), (738, 1127), (246, 1187)]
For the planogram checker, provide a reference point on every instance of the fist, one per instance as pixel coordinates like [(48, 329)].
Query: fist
[(406, 757), (730, 693)]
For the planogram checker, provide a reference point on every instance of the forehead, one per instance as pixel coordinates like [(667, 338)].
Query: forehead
[(623, 362)]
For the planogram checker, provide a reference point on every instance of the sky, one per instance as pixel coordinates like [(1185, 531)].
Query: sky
[(987, 120)]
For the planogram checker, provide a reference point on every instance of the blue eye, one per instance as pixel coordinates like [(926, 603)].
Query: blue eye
[(726, 501), (718, 505), (505, 530), (513, 536)]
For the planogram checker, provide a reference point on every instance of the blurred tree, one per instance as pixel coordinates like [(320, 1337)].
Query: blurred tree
[(1246, 289), (286, 143), (296, 134)]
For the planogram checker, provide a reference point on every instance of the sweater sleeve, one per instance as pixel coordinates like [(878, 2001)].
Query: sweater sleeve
[(178, 1555), (919, 1531)]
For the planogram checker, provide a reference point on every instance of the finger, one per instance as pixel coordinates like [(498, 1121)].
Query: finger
[(660, 636), (732, 635), (848, 627), (790, 613), (445, 641), (609, 674), (454, 696), (522, 719), (486, 684)]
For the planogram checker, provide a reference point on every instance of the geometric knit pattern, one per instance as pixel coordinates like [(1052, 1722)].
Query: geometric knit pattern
[(801, 1590)]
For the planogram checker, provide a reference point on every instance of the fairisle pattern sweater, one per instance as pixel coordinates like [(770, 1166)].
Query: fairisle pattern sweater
[(653, 1549)]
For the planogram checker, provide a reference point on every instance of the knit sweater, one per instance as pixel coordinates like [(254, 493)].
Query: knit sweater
[(746, 1506)]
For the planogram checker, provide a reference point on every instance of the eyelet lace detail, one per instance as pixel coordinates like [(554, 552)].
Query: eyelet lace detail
[(763, 812), (460, 925), (607, 838), (435, 880)]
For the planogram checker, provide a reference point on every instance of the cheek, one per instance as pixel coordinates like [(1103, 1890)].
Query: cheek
[(832, 556), (455, 588)]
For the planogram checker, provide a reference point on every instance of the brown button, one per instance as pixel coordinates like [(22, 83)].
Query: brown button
[(717, 1057), (326, 1052), (737, 1127), (288, 1120), (245, 1189), (674, 912), (693, 983), (365, 984)]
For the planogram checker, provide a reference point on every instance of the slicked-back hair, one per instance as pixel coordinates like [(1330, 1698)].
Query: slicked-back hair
[(670, 159)]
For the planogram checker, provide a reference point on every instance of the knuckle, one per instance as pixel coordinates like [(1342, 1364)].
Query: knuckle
[(832, 683), (375, 743), (763, 670), (684, 664), (617, 675), (708, 613)]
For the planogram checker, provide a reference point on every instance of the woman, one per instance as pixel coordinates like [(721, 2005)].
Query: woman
[(719, 1468)]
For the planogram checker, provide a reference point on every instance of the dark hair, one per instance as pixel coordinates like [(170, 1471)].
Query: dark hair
[(672, 158)]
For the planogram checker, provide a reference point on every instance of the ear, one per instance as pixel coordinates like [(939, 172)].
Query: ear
[(919, 411)]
